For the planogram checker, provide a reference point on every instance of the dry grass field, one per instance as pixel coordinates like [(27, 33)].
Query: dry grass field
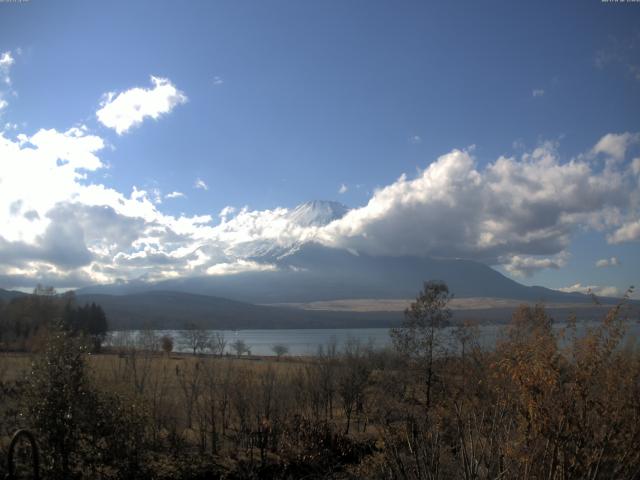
[(543, 403)]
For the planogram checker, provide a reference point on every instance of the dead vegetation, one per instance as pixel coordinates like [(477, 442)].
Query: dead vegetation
[(544, 403)]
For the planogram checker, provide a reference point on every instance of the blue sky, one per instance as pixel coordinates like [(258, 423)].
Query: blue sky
[(287, 101)]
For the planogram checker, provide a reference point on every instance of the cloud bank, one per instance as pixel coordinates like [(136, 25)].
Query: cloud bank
[(521, 212), (517, 211)]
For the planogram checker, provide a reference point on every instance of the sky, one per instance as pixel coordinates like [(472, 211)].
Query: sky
[(154, 139)]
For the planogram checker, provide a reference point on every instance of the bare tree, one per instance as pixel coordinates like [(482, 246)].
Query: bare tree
[(240, 347), (279, 350), (195, 338), (135, 357), (353, 377), (190, 382), (217, 343), (166, 343), (147, 340), (326, 366)]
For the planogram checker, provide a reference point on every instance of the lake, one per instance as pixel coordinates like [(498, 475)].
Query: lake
[(307, 341)]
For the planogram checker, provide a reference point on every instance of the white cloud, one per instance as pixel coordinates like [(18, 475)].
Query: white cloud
[(608, 262), (628, 232), (343, 189), (599, 290), (525, 206), (238, 266), (518, 211), (124, 110), (67, 231), (174, 195), (415, 139), (6, 62), (226, 212), (537, 92), (200, 184), (525, 266), (217, 80), (156, 196), (616, 145)]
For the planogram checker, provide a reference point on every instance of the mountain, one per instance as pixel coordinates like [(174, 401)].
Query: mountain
[(308, 272), (317, 213), (313, 272)]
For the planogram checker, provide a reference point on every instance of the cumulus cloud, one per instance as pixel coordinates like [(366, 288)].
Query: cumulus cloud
[(343, 189), (200, 184), (616, 145), (226, 212), (608, 262), (64, 228), (124, 110), (525, 266), (529, 205), (628, 232), (520, 212)]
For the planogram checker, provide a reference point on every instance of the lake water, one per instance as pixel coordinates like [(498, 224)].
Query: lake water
[(307, 341)]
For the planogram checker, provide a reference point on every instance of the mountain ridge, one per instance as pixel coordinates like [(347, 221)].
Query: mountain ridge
[(313, 272)]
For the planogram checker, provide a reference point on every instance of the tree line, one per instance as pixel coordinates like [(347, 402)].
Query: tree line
[(26, 321)]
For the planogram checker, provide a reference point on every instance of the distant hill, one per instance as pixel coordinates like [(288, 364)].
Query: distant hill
[(8, 295), (175, 310)]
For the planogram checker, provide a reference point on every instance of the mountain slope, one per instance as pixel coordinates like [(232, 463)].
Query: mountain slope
[(317, 213), (313, 272)]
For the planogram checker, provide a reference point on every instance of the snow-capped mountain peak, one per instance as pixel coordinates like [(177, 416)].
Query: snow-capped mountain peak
[(317, 213)]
